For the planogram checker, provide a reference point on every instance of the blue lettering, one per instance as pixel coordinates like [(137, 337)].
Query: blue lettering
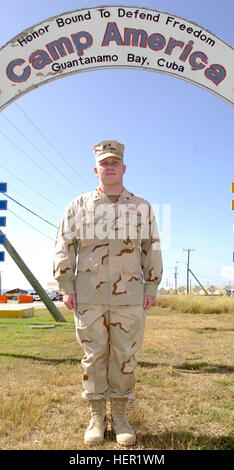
[(156, 42), (57, 48), (193, 60), (11, 73), (171, 44), (216, 73), (81, 46), (39, 59), (112, 34), (135, 34)]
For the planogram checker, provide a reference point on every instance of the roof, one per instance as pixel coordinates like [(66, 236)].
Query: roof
[(16, 291)]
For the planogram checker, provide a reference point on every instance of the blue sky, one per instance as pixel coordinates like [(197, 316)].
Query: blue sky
[(178, 150)]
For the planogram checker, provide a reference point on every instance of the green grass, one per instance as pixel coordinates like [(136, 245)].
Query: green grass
[(184, 384)]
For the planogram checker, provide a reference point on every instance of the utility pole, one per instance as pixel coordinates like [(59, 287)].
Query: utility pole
[(33, 281), (176, 279), (188, 250)]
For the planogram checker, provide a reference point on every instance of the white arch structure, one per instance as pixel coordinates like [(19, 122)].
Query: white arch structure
[(115, 37)]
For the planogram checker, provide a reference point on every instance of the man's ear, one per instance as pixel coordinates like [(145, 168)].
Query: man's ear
[(124, 169), (95, 170)]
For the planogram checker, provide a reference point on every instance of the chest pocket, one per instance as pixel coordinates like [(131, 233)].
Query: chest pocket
[(87, 261), (134, 224), (132, 262), (86, 231)]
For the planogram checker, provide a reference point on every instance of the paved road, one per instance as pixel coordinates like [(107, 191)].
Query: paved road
[(38, 303)]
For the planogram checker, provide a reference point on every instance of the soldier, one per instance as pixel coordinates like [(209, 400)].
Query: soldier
[(110, 284)]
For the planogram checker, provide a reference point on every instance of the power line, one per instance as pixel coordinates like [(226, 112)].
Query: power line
[(35, 163), (213, 256), (207, 273), (52, 146), (55, 226), (34, 190), (29, 210), (210, 279), (40, 209), (39, 151), (31, 225), (204, 253)]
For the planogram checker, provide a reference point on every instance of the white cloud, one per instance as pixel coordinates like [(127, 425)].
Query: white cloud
[(228, 273)]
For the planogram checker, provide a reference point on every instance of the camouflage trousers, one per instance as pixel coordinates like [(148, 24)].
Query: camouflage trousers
[(110, 336)]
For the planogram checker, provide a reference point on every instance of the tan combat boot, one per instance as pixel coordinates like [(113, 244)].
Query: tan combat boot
[(119, 423), (95, 432)]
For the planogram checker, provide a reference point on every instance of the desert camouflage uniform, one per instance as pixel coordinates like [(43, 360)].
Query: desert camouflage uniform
[(119, 261), (110, 343)]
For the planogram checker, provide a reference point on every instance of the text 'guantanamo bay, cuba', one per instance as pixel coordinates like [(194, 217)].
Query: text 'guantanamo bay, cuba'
[(115, 37)]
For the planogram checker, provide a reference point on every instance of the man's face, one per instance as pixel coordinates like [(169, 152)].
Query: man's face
[(110, 170)]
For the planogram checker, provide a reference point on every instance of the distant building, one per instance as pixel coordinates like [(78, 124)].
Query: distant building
[(229, 291), (162, 291), (181, 290), (166, 290), (197, 290), (14, 292)]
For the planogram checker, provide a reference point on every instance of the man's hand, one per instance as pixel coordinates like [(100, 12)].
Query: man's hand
[(70, 301), (148, 301)]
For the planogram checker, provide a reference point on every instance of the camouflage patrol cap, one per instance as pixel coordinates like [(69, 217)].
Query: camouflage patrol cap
[(108, 148)]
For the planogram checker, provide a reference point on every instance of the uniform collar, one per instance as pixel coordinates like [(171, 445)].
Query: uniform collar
[(124, 197)]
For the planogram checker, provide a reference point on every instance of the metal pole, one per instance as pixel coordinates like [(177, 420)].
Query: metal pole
[(199, 282), (188, 272), (189, 249), (176, 279), (33, 281)]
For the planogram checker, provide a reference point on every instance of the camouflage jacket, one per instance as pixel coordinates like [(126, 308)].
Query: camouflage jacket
[(108, 253)]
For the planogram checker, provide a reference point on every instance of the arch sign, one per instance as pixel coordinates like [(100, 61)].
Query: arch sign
[(115, 37)]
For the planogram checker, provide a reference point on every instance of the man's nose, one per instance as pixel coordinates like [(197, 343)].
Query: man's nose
[(110, 163)]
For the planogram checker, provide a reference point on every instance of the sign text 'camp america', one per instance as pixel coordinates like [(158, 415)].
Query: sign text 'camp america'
[(115, 37)]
